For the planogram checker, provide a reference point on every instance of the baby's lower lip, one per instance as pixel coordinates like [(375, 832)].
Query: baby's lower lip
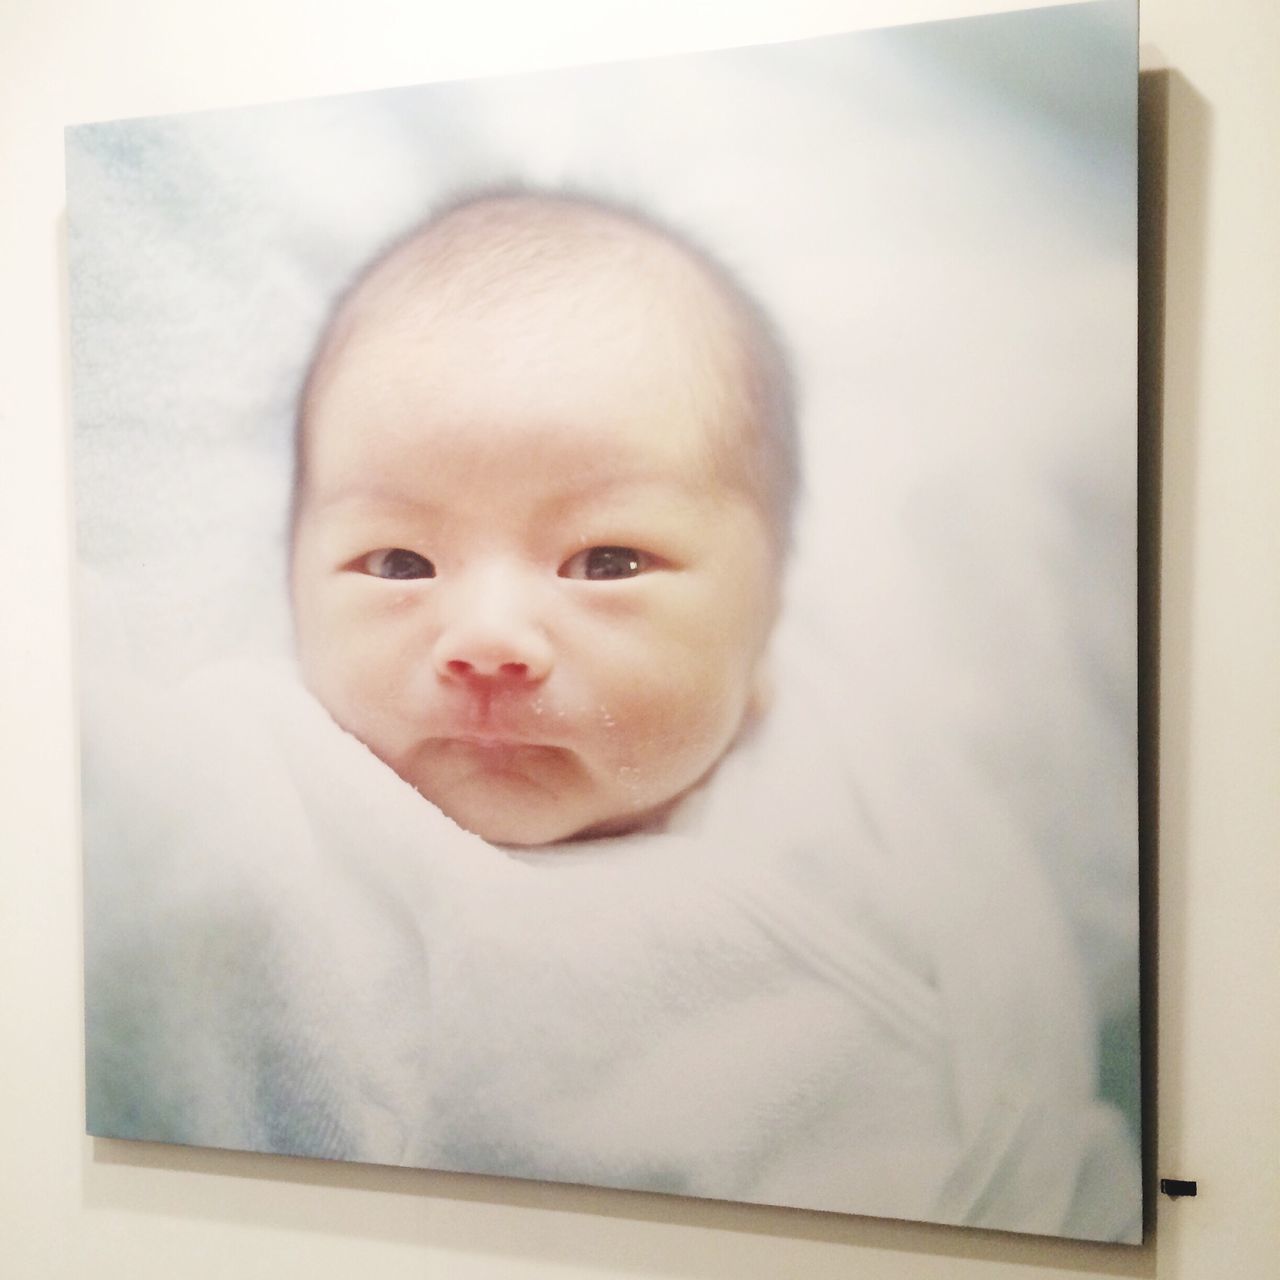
[(495, 745), (499, 755), (485, 740)]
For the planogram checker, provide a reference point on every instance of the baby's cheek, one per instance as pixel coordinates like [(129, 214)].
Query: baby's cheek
[(385, 669), (365, 673), (678, 722)]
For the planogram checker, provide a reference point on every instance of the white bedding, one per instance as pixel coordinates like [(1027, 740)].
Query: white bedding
[(774, 999)]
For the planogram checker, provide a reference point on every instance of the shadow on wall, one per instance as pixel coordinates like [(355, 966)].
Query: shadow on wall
[(1174, 145), (550, 1223)]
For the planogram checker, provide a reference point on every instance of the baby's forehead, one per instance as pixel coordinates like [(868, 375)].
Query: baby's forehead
[(587, 383), (564, 283), (540, 265), (563, 301)]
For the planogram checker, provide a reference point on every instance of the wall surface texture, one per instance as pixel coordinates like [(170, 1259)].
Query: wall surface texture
[(1210, 456)]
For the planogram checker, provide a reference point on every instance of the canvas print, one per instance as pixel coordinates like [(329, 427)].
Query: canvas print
[(607, 638)]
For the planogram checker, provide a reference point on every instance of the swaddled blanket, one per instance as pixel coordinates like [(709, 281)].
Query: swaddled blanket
[(776, 998)]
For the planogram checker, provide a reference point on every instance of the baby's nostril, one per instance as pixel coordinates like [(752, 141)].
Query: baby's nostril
[(463, 669)]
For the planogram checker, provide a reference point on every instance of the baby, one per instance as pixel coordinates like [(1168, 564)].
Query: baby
[(545, 468)]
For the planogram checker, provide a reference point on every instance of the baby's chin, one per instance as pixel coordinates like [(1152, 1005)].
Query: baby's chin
[(514, 831), (534, 826), (526, 796)]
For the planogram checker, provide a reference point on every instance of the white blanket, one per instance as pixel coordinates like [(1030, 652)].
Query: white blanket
[(779, 998)]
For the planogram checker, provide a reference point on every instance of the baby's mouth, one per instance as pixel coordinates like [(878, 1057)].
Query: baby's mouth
[(495, 744), (490, 742), (500, 755)]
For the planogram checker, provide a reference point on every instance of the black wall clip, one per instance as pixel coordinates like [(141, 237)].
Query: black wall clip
[(1175, 1188)]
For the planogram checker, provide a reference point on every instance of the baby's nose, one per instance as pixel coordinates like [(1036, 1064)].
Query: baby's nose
[(495, 645)]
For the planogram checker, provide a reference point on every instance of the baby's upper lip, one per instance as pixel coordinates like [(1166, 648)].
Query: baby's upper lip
[(491, 722)]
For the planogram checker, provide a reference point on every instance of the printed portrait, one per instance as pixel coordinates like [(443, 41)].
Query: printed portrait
[(607, 623)]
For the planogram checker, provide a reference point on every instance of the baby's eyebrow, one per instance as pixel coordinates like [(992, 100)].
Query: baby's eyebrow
[(372, 494), (617, 496), (574, 498)]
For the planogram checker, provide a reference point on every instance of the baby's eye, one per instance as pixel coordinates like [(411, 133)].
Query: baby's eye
[(598, 564), (396, 562)]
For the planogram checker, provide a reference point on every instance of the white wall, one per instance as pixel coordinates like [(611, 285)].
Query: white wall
[(71, 1207)]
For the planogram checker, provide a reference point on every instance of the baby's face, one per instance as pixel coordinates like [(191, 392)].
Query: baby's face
[(518, 574)]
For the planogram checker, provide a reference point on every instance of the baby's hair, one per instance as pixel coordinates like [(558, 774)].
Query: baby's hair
[(477, 252)]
